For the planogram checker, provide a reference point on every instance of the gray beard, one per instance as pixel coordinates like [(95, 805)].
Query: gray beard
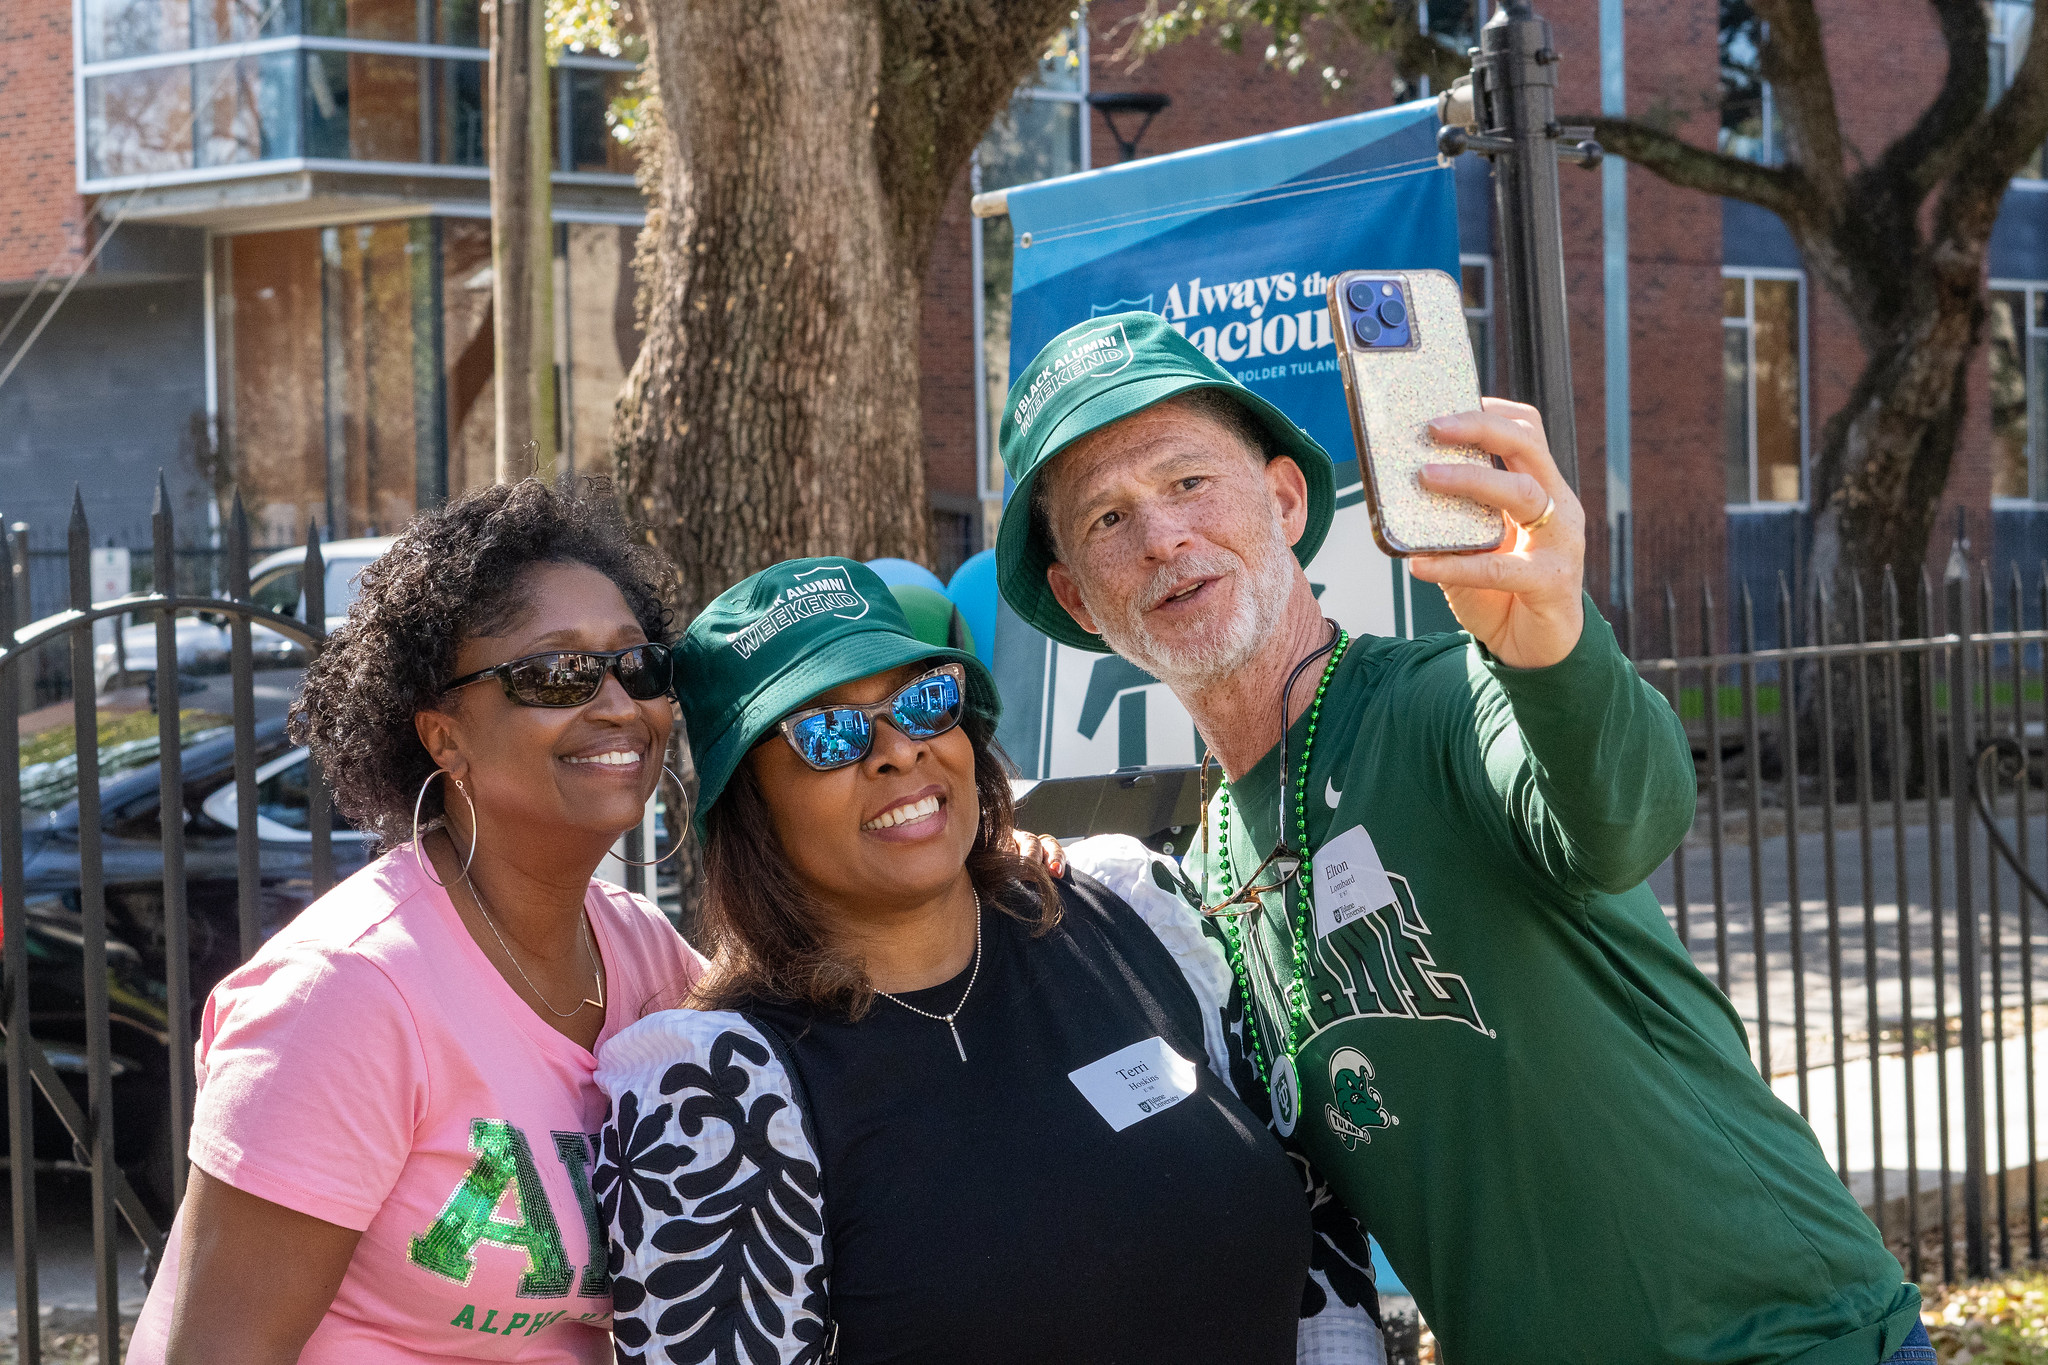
[(1264, 584)]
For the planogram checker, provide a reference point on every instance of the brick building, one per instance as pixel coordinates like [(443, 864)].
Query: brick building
[(297, 299)]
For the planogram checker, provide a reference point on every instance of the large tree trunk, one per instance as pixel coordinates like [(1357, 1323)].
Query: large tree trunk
[(801, 155), (1883, 459)]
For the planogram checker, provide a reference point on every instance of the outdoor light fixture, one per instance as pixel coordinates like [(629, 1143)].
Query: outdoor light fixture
[(1114, 102)]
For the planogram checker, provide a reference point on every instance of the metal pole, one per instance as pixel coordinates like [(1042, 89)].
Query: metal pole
[(1508, 111), (98, 1146), (1962, 682), (14, 973), (23, 605)]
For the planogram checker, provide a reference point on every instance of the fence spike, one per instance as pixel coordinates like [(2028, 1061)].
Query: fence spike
[(1891, 604), (78, 544), (1671, 610), (1788, 625)]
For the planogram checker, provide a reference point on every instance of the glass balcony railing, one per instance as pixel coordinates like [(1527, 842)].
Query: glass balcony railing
[(118, 29), (389, 83)]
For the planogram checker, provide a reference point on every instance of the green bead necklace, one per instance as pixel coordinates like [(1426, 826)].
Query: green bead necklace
[(1233, 936)]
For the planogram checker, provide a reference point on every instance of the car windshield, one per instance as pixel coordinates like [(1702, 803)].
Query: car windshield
[(49, 761), (343, 585)]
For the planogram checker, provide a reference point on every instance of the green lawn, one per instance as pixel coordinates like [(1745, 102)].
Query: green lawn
[(1692, 700)]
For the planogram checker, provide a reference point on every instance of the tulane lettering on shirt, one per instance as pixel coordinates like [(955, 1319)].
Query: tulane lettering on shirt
[(504, 1160), (1380, 964)]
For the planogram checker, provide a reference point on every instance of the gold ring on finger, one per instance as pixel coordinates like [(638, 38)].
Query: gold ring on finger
[(1549, 511)]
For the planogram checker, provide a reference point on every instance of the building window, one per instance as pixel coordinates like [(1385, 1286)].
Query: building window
[(1475, 277), (2011, 22), (2019, 390), (1750, 127), (1763, 327), (1044, 133), (1454, 24), (177, 91)]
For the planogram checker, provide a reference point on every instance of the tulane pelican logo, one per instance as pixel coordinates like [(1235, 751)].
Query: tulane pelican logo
[(1357, 1108)]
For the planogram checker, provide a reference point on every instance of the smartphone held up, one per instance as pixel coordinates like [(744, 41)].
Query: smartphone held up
[(1406, 360)]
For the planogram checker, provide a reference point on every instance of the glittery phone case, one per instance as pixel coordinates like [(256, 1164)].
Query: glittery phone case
[(1393, 392)]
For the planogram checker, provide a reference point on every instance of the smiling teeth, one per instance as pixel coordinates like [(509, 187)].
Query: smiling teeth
[(615, 759), (903, 815)]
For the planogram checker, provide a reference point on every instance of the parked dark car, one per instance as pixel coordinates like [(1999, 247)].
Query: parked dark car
[(131, 833)]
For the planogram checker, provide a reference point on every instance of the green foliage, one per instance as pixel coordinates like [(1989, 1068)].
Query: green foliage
[(605, 28), (1299, 33), (1998, 1322)]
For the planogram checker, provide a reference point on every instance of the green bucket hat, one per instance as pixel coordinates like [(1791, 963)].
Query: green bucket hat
[(770, 643), (1087, 377)]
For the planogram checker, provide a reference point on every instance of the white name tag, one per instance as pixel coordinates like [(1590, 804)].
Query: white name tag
[(1135, 1082), (1350, 881)]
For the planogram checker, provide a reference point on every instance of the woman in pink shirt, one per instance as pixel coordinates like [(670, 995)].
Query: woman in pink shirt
[(391, 1151)]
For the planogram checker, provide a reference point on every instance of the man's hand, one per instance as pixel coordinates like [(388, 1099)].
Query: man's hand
[(1523, 600)]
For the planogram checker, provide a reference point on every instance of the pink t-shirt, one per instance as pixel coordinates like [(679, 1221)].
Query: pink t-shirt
[(370, 1067)]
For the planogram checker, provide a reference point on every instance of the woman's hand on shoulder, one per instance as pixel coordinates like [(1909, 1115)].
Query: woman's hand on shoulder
[(1041, 848)]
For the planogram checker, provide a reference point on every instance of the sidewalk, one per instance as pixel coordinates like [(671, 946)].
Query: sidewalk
[(1865, 1144)]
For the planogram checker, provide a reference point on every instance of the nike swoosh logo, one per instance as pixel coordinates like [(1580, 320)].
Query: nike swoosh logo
[(1331, 794)]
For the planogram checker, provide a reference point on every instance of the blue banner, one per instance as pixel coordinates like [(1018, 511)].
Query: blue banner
[(1234, 245)]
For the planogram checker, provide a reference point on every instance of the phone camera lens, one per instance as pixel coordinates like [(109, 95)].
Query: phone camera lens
[(1360, 293), (1393, 312), (1366, 327)]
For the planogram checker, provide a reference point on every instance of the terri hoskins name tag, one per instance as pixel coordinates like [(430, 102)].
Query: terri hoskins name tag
[(1135, 1082), (1350, 881)]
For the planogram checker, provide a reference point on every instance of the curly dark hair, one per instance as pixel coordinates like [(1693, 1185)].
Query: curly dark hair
[(451, 575), (765, 932)]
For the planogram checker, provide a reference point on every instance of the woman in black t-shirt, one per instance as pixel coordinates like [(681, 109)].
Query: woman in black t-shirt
[(930, 1105)]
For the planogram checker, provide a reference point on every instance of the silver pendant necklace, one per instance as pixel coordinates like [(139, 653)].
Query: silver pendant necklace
[(947, 1019), (582, 934)]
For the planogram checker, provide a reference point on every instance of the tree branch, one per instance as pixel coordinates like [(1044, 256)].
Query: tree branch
[(1781, 189), (1794, 61), (1995, 147), (1926, 154)]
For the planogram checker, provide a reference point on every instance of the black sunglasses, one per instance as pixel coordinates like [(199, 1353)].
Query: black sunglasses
[(573, 677), (828, 737)]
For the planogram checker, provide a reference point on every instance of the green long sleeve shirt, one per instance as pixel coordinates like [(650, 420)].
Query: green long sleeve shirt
[(1512, 1072)]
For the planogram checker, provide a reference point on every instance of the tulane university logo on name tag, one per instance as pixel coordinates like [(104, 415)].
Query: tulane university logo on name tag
[(1135, 1082)]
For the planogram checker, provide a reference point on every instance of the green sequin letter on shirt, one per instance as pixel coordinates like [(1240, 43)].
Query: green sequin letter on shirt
[(502, 1158)]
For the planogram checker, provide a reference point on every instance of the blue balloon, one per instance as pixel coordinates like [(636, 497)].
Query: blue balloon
[(899, 572), (973, 591)]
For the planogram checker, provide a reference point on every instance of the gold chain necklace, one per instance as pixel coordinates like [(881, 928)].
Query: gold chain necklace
[(582, 934)]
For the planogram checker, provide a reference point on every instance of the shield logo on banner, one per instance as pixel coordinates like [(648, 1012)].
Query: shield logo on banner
[(1144, 305)]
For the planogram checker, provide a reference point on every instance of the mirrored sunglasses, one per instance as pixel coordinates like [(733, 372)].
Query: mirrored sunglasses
[(828, 737), (573, 677)]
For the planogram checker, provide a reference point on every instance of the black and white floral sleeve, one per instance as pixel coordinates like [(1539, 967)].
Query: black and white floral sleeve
[(1340, 1305), (708, 1183)]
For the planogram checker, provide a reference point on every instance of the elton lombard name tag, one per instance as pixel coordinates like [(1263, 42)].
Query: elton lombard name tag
[(1135, 1082), (1350, 881)]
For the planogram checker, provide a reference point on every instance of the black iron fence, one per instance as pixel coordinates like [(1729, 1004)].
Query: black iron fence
[(143, 855), (61, 1022), (1862, 882)]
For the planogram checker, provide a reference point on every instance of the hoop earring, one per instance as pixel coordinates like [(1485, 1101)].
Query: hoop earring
[(679, 832), (419, 856)]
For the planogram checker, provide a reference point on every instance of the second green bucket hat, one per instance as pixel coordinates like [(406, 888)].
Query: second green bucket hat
[(1091, 375), (770, 643)]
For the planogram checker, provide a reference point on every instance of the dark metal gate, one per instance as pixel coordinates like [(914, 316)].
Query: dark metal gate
[(92, 1125), (1870, 852)]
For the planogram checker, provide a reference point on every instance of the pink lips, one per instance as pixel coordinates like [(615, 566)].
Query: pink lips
[(921, 825)]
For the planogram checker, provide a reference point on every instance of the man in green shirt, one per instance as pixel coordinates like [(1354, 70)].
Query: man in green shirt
[(1471, 1014)]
